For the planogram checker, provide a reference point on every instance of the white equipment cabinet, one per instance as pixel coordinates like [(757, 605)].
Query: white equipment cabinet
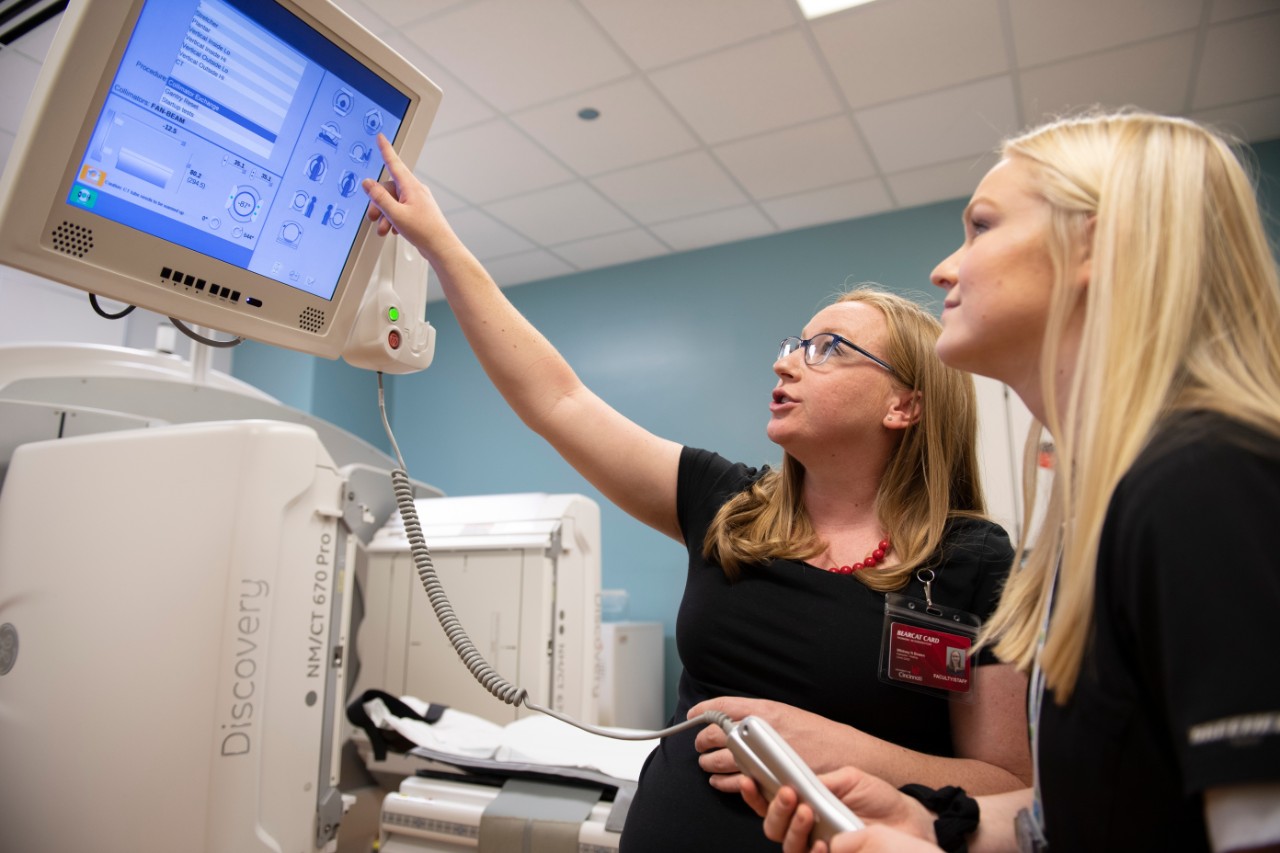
[(631, 685), (522, 572)]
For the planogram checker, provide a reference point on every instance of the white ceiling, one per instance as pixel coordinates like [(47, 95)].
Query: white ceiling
[(723, 120)]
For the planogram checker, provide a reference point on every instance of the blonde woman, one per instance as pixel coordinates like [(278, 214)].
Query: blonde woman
[(784, 598), (1115, 272)]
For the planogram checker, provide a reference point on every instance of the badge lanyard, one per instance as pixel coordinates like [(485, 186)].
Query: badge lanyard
[(1030, 826)]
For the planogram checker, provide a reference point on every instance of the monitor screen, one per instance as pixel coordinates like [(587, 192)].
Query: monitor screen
[(213, 171), (232, 128)]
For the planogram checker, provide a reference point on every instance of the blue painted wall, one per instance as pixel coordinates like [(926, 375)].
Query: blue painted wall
[(681, 344)]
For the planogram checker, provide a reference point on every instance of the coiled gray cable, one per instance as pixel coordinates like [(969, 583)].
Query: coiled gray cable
[(480, 669)]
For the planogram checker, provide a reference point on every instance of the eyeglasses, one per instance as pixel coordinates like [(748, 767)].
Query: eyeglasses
[(819, 347)]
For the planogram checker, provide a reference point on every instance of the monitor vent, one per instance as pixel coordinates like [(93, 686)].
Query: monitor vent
[(311, 320), (72, 239)]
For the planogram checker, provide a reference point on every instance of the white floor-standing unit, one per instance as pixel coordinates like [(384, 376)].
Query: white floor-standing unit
[(522, 572), (632, 680)]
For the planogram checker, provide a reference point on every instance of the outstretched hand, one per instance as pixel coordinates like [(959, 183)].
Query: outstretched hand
[(403, 205), (894, 820)]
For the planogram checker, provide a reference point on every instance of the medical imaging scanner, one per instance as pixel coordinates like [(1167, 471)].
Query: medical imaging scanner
[(177, 564), (195, 580)]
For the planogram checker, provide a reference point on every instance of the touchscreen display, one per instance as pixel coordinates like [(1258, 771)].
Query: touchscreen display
[(235, 129)]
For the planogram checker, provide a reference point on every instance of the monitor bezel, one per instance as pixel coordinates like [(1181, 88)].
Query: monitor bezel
[(43, 234)]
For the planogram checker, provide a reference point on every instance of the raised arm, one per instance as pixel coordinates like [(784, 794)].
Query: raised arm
[(631, 466)]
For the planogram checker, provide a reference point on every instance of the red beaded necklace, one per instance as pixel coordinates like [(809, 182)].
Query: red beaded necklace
[(869, 562)]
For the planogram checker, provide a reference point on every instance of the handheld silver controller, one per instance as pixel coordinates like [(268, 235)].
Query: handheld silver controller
[(768, 759)]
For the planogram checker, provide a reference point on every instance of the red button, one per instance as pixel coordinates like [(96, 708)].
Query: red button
[(393, 338)]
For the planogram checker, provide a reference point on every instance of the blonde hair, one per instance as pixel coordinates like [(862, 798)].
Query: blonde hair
[(1181, 312), (931, 476)]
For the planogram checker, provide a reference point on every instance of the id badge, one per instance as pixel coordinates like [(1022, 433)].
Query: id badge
[(926, 647)]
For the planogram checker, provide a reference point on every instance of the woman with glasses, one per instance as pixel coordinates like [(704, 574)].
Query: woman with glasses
[(1115, 272), (785, 599)]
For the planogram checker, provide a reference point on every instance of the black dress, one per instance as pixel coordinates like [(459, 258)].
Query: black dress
[(792, 633)]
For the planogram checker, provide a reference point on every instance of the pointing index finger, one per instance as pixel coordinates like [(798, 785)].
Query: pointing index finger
[(395, 165)]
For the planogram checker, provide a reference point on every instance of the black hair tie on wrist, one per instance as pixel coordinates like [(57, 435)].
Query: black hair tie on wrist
[(957, 814)]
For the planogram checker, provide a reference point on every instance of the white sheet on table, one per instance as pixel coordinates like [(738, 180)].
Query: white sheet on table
[(536, 739)]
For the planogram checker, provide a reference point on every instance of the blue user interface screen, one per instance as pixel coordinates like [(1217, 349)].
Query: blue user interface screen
[(235, 129)]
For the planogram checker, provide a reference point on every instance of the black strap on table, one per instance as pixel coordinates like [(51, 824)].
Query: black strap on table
[(378, 738)]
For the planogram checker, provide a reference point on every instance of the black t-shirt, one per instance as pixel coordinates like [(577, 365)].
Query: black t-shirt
[(1180, 687), (793, 633)]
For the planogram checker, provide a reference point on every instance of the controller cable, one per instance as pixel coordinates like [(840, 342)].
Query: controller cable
[(480, 669)]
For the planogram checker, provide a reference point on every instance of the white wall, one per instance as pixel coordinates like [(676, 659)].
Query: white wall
[(35, 310), (1003, 421)]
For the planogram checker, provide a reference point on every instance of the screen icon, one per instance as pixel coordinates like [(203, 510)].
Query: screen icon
[(92, 175), (83, 196)]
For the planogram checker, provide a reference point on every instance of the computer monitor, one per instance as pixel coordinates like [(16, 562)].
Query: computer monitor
[(202, 159)]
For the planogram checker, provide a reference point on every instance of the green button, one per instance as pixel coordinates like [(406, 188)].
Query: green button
[(393, 314)]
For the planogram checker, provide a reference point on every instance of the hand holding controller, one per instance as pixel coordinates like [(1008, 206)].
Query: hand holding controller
[(763, 755)]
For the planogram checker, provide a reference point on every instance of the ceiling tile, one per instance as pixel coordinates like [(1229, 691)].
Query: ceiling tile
[(485, 236), (446, 200), (621, 248), (526, 267), (17, 78), (940, 182), (1240, 62), (1153, 75), (1225, 10), (660, 32), (755, 87), (515, 54), (678, 186), (884, 51), (802, 115), (1049, 30), (710, 229), (488, 161), (1255, 120), (561, 214), (834, 204), (634, 126), (35, 44), (798, 159), (943, 126), (459, 107)]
